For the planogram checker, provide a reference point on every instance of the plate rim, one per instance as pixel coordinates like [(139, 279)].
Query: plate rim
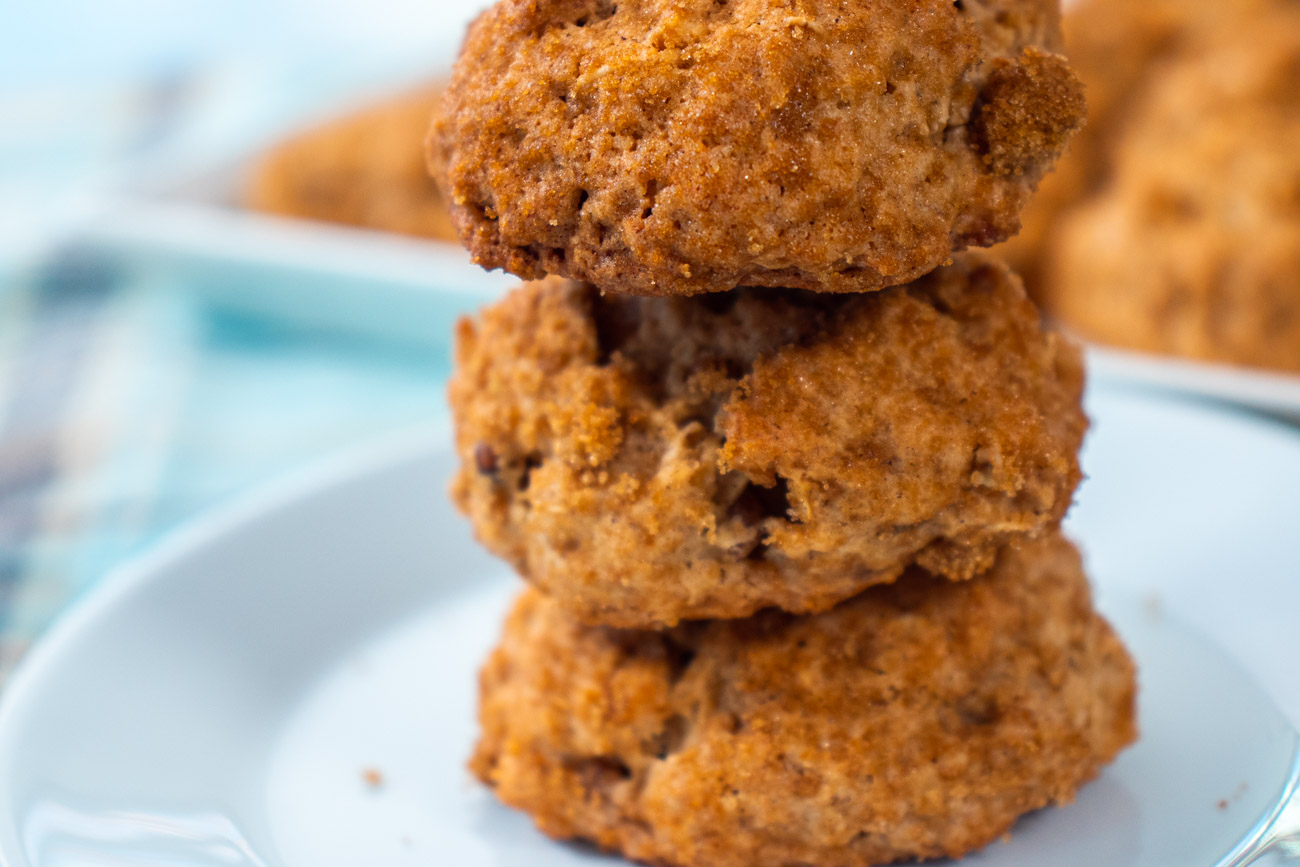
[(191, 536), (1236, 386), (172, 224), (407, 444)]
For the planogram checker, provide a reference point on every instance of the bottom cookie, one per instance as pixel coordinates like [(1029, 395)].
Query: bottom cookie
[(917, 720)]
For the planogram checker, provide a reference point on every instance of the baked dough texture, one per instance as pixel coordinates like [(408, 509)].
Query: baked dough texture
[(918, 720), (675, 147), (649, 460), (1193, 246), (367, 170)]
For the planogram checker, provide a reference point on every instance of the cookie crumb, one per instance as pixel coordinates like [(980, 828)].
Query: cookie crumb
[(1224, 803)]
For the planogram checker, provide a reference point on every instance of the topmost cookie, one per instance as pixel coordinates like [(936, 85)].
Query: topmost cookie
[(665, 147)]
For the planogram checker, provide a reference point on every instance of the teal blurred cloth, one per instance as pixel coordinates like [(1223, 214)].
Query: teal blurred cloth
[(131, 396), (129, 404)]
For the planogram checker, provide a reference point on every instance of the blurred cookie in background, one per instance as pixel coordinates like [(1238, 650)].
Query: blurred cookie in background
[(1193, 246), (1172, 225), (366, 169), (1118, 48)]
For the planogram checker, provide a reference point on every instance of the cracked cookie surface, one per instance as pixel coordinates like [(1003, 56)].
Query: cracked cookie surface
[(913, 721), (649, 460), (665, 147)]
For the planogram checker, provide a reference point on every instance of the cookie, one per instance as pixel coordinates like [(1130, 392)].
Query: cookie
[(365, 170), (677, 147), (1193, 247), (918, 720), (1118, 48), (648, 460)]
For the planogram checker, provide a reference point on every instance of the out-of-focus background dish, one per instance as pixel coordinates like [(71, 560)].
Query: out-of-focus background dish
[(1170, 233)]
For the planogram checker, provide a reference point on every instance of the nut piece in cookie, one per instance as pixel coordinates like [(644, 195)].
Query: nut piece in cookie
[(649, 460), (674, 147), (914, 721)]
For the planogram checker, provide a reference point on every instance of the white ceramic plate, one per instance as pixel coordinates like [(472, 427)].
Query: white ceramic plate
[(1268, 391), (221, 701)]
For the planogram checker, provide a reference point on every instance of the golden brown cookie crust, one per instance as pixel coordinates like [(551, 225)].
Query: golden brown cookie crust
[(648, 460), (1193, 248), (915, 721), (676, 147), (365, 170)]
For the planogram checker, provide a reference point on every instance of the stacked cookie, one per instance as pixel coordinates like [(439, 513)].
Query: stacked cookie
[(785, 475)]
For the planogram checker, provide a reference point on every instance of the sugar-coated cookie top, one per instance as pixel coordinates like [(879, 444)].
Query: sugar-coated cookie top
[(664, 147)]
